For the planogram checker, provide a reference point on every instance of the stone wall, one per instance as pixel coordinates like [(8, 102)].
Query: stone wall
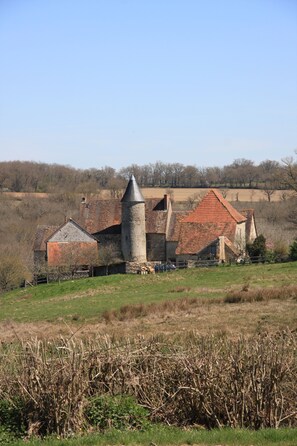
[(156, 247)]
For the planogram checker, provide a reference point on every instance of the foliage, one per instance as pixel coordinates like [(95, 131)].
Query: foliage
[(6, 436), (258, 247), (117, 412), (12, 424), (293, 250)]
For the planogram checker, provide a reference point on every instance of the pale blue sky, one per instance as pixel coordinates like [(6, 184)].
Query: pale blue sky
[(90, 83)]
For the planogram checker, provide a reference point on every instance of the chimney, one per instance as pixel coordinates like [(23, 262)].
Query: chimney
[(222, 249), (166, 199)]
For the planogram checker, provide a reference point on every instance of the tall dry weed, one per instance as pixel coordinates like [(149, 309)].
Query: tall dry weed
[(210, 381), (261, 294)]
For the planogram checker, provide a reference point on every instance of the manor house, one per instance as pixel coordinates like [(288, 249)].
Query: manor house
[(137, 230)]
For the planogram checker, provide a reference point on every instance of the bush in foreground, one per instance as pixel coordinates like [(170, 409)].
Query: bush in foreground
[(207, 381)]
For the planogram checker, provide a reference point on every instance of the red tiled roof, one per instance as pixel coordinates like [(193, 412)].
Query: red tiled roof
[(231, 246), (214, 208), (98, 215), (194, 236), (175, 224), (155, 216)]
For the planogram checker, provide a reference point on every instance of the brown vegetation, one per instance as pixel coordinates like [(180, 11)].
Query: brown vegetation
[(261, 294), (190, 380)]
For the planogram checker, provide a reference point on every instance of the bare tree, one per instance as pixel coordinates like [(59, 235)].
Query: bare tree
[(288, 173), (108, 255), (268, 190), (12, 272)]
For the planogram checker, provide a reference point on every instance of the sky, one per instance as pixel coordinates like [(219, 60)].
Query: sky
[(94, 83)]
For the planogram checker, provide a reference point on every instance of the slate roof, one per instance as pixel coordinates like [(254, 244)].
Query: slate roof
[(74, 232), (214, 208), (133, 193), (193, 237)]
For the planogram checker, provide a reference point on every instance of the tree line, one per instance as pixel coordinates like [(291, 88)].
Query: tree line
[(28, 176)]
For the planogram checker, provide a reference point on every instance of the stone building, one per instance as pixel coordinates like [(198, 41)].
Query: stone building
[(135, 230)]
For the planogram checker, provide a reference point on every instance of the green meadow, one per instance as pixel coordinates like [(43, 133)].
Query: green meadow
[(88, 299)]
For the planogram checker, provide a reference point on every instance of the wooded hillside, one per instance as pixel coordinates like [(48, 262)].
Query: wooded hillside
[(28, 176)]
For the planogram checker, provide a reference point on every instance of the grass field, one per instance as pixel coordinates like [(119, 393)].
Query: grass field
[(164, 436), (172, 302)]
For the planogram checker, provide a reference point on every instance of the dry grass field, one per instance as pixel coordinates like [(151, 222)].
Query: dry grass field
[(178, 194), (246, 195), (232, 320)]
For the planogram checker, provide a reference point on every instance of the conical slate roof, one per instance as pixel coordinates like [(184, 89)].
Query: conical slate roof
[(132, 193)]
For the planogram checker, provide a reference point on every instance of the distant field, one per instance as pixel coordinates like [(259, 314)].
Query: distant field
[(231, 194), (184, 300), (179, 194)]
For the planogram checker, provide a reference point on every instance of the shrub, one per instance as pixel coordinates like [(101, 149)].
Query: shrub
[(280, 250), (118, 412), (258, 247), (293, 250), (12, 272), (6, 437), (11, 418)]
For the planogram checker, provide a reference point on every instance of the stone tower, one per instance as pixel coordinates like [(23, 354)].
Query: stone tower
[(133, 236)]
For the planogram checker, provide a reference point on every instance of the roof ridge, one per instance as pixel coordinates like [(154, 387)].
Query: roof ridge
[(65, 223), (235, 214)]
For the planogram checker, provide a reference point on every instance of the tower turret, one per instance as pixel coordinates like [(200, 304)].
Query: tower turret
[(133, 236)]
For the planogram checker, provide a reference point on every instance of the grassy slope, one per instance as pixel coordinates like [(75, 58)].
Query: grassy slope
[(89, 298)]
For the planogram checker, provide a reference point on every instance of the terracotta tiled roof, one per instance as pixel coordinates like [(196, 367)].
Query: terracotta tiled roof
[(231, 246), (214, 208), (43, 232), (194, 236), (98, 215), (175, 224), (155, 216), (106, 215)]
